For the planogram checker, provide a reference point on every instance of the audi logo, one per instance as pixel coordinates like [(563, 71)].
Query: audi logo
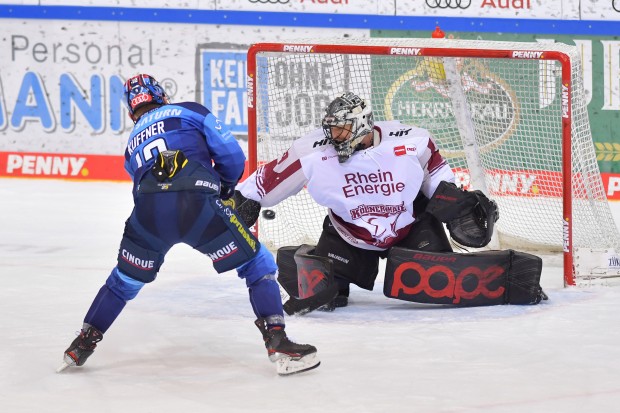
[(270, 1), (616, 5), (448, 4)]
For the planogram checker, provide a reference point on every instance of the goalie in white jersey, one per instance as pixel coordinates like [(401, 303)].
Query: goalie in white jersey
[(374, 178)]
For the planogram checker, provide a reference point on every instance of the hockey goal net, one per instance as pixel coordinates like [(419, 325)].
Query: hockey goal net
[(510, 118)]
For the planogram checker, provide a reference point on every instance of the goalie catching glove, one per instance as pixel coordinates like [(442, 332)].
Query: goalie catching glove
[(470, 216)]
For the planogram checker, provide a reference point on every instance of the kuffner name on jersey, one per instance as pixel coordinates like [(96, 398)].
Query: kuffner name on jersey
[(156, 128)]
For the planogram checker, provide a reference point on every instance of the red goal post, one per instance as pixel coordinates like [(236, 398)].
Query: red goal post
[(510, 117)]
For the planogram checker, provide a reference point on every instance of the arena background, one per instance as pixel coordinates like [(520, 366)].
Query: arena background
[(64, 63)]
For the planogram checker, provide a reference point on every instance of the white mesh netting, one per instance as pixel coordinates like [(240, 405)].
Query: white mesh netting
[(507, 112)]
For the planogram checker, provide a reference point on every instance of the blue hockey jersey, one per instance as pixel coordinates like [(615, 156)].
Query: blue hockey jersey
[(191, 128)]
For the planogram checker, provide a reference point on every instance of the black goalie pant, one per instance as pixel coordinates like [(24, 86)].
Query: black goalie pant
[(360, 266)]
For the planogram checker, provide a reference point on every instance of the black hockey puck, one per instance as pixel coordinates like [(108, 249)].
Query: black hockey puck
[(269, 214)]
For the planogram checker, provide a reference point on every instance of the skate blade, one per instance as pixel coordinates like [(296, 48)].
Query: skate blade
[(286, 366), (62, 367), (67, 361)]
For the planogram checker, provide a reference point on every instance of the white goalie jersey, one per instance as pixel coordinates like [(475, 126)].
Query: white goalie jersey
[(370, 196)]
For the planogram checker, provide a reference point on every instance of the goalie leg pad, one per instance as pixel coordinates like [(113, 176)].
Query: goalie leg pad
[(476, 279), (307, 278), (287, 270), (524, 282)]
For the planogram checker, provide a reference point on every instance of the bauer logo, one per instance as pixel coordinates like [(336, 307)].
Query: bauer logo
[(521, 54), (208, 184), (434, 257), (299, 48), (405, 51), (421, 96)]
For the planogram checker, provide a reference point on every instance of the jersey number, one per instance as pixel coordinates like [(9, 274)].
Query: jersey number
[(151, 150)]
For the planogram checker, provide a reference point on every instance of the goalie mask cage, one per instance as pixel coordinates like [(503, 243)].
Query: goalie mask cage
[(510, 118)]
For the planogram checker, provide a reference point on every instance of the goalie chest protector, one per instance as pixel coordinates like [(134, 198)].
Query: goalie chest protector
[(472, 279)]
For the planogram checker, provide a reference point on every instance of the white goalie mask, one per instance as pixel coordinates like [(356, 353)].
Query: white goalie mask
[(349, 112)]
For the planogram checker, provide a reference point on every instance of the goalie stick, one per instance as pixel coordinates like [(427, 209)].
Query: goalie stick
[(298, 306)]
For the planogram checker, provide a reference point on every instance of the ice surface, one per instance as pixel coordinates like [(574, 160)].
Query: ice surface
[(187, 343)]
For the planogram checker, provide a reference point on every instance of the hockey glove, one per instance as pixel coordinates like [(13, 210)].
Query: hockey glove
[(476, 228), (247, 209), (470, 216), (227, 189), (450, 202)]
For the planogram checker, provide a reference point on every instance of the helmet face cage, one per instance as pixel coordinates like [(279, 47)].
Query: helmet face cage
[(347, 109), (142, 90)]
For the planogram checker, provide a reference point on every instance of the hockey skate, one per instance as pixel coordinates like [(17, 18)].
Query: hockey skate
[(290, 357), (81, 348)]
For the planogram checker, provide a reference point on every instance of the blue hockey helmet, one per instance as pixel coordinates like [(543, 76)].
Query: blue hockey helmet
[(141, 90)]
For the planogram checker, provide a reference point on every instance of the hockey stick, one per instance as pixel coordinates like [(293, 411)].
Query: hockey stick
[(301, 306)]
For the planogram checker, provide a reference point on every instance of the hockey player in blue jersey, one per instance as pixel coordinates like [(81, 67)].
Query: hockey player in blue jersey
[(184, 164)]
